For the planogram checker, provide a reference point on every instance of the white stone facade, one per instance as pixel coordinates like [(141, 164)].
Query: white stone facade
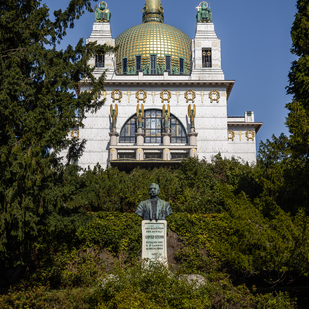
[(208, 90)]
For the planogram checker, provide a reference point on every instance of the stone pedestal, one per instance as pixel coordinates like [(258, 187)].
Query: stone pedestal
[(166, 154), (113, 154), (139, 154), (139, 137), (193, 153), (113, 135), (154, 246), (193, 138), (166, 139)]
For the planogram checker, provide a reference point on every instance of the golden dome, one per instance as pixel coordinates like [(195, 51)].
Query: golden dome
[(153, 47), (154, 38)]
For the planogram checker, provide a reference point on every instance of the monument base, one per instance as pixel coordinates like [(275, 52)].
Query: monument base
[(154, 246)]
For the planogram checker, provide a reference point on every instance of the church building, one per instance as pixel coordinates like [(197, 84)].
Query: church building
[(166, 96)]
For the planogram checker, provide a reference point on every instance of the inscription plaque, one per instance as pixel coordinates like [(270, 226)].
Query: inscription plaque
[(154, 245)]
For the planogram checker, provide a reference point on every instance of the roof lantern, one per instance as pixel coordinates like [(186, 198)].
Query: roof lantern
[(153, 11)]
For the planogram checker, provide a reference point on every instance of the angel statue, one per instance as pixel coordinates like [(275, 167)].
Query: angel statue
[(166, 116), (140, 115), (192, 114), (114, 115)]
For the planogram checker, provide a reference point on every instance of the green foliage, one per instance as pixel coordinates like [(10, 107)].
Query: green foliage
[(149, 286), (38, 108), (115, 232), (28, 298), (282, 176), (298, 116)]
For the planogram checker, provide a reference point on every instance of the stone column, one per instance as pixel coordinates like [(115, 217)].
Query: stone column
[(166, 139), (140, 142), (139, 137), (193, 143), (113, 142)]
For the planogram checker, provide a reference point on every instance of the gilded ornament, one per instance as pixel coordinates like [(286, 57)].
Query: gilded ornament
[(202, 95), (165, 95), (129, 93), (141, 95), (153, 96), (177, 94), (117, 95), (105, 93), (214, 95), (231, 135), (240, 134), (190, 95), (75, 134), (250, 134)]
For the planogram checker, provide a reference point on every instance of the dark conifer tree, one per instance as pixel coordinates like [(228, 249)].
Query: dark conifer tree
[(38, 107), (298, 117)]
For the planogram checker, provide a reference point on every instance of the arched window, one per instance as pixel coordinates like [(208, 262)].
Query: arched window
[(153, 127)]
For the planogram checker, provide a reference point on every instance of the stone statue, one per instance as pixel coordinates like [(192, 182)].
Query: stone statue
[(102, 13), (154, 208), (192, 114), (140, 115), (114, 115), (166, 116)]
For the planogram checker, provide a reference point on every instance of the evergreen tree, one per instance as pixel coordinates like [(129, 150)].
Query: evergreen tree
[(38, 107), (298, 117)]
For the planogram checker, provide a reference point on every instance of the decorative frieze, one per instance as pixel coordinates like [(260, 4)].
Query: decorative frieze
[(214, 95)]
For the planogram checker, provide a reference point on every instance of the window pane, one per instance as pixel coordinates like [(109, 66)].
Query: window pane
[(181, 65), (124, 66), (99, 61), (206, 58), (168, 64), (153, 64), (153, 129), (138, 64)]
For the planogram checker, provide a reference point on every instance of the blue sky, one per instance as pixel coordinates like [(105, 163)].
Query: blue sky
[(255, 41)]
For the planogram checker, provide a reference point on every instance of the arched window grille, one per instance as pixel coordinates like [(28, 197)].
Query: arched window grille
[(153, 127)]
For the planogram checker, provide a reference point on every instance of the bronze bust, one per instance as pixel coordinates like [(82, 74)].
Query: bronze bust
[(154, 208)]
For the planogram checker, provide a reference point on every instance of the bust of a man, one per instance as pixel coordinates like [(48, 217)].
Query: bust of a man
[(154, 208)]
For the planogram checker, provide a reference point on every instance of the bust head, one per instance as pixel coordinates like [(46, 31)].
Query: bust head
[(154, 190)]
